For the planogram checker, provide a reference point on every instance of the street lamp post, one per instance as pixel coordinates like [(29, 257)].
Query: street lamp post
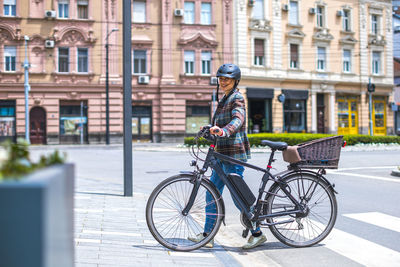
[(107, 91), (27, 89)]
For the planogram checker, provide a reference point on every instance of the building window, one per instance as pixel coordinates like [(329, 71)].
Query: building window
[(189, 62), (321, 59), (346, 20), (346, 60), (141, 122), (294, 56), (82, 60), (205, 62), (10, 7), (258, 9), (63, 59), (7, 119), (189, 12), (259, 52), (320, 16), (83, 9), (73, 121), (196, 116), (139, 11), (374, 24), (63, 6), (139, 61), (294, 115), (294, 13), (205, 16), (10, 57), (376, 62)]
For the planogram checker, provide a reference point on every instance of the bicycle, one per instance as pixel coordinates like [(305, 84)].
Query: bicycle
[(299, 207)]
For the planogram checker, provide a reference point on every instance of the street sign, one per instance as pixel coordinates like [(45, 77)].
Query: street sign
[(371, 87)]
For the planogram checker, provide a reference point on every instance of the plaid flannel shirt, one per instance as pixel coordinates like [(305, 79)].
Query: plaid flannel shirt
[(230, 116)]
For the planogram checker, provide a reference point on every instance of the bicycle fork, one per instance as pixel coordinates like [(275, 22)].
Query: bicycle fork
[(196, 186)]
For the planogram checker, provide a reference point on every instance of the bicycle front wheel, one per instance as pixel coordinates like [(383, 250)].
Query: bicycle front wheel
[(316, 221), (170, 227)]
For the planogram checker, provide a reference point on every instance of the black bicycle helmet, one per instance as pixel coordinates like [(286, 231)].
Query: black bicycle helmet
[(230, 71)]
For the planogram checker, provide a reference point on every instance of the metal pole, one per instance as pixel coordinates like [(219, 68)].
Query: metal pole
[(127, 84), (371, 130), (81, 122), (108, 90), (107, 99), (27, 89)]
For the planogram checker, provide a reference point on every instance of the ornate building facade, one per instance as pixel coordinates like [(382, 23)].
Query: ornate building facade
[(320, 55), (176, 47)]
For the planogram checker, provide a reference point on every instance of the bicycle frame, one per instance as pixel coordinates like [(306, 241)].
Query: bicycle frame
[(211, 161)]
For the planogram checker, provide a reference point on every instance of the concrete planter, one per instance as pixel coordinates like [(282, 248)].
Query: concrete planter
[(37, 219)]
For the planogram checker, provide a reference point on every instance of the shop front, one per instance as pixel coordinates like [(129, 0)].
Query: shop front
[(347, 115), (379, 115), (141, 122), (7, 120), (294, 110), (73, 122), (259, 109), (198, 114)]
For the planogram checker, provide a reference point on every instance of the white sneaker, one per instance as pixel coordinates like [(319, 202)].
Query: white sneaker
[(200, 237), (255, 241)]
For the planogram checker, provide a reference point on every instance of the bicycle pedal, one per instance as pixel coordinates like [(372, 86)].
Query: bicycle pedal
[(245, 233)]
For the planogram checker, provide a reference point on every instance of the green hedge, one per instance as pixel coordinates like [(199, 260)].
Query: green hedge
[(297, 138)]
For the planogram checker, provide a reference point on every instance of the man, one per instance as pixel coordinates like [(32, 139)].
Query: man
[(230, 123)]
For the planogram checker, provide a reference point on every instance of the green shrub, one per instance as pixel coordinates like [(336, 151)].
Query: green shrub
[(297, 138), (15, 161)]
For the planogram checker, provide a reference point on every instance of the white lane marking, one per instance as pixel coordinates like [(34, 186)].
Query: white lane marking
[(88, 210), (368, 176), (151, 242), (191, 254), (109, 233), (84, 240), (81, 197), (362, 168), (378, 219), (361, 250)]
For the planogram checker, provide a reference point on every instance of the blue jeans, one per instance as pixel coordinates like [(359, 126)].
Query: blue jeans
[(211, 210)]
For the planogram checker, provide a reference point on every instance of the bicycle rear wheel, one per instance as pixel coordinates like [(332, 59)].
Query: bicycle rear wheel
[(307, 228), (164, 215)]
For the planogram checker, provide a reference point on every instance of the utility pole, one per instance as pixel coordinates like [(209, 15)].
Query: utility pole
[(127, 85), (107, 91), (371, 89), (27, 89)]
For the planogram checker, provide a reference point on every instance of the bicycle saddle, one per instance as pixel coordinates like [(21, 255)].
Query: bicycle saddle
[(274, 145)]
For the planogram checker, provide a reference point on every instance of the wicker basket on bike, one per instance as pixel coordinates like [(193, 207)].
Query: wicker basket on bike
[(315, 154)]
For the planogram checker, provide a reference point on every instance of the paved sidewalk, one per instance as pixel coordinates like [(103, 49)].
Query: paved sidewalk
[(111, 230)]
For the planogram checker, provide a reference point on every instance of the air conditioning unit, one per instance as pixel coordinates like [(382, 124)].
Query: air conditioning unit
[(178, 12), (213, 80), (143, 79), (50, 13), (251, 3), (312, 11), (339, 13), (49, 44), (285, 7)]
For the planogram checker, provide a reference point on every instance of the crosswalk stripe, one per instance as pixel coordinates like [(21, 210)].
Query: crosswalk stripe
[(361, 250), (378, 219), (367, 176)]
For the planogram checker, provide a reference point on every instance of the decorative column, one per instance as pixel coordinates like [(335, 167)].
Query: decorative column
[(332, 113), (277, 34), (363, 42), (313, 112), (166, 40), (241, 34)]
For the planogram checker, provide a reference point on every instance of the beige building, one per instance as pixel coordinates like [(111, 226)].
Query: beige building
[(321, 56)]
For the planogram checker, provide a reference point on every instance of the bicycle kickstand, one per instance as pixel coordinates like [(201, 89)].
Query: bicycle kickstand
[(245, 232)]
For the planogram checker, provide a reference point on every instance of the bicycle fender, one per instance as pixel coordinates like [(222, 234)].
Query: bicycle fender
[(211, 184), (331, 185)]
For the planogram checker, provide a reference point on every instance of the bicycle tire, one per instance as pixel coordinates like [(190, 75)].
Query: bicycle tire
[(170, 197), (306, 229)]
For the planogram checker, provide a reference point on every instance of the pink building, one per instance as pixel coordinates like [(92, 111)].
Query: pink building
[(176, 48)]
